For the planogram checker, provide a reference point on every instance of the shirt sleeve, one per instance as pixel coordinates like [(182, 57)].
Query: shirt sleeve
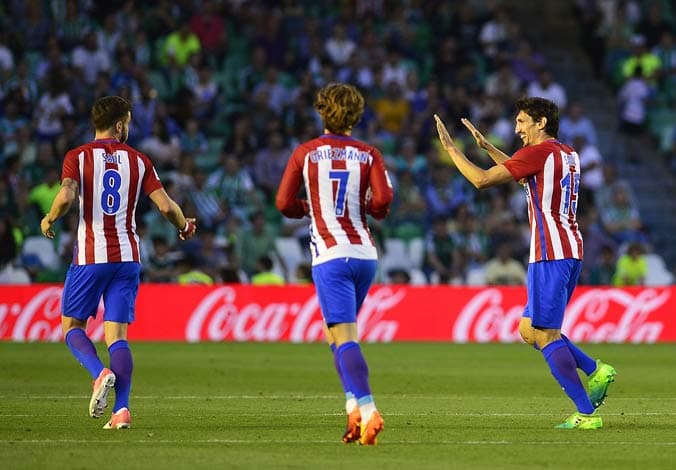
[(524, 163), (381, 188), (287, 201), (151, 180), (71, 167)]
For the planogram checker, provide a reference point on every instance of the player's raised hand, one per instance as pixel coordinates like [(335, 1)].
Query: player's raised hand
[(478, 136), (444, 136)]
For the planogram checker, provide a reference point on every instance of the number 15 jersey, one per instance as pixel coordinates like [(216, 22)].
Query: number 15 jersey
[(338, 172), (110, 176), (551, 171)]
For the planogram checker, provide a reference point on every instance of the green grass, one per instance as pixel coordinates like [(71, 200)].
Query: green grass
[(241, 405)]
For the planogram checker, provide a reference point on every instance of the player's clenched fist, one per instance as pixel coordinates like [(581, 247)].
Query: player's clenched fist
[(189, 229)]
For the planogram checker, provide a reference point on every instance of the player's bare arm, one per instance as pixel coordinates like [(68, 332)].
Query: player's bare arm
[(173, 213), (495, 153), (62, 202), (479, 177)]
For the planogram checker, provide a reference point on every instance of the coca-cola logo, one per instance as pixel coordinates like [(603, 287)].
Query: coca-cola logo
[(598, 315), (484, 319), (586, 318), (40, 318), (218, 317)]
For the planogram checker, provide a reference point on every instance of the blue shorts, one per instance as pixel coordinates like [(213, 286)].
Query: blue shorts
[(85, 284), (550, 285), (342, 285)]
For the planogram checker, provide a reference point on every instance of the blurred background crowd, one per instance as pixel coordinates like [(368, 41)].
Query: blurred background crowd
[(222, 91)]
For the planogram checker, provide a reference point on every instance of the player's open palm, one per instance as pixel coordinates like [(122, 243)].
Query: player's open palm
[(478, 136), (444, 136)]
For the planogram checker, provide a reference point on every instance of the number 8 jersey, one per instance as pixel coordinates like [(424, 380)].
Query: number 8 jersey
[(110, 176), (551, 171), (344, 180)]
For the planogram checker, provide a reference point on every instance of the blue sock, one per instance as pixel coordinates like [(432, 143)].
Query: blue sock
[(354, 368), (343, 382), (562, 364), (84, 351), (584, 362), (122, 365)]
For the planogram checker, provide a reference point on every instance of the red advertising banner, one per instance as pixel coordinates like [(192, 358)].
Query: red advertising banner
[(390, 313)]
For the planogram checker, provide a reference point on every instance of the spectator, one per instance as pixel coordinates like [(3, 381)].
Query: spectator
[(270, 163), (632, 267), (264, 275), (666, 52), (503, 269), (444, 192), (192, 139), (526, 61), (163, 148), (408, 217), (441, 255), (633, 98), (603, 271), (161, 266), (339, 47), (234, 186), (398, 276), (622, 220), (191, 272), (256, 241), (180, 45), (596, 242), (641, 62), (304, 274), (503, 84), (53, 106), (392, 109), (209, 27), (591, 166), (546, 87), (575, 122), (42, 195), (89, 58), (212, 210)]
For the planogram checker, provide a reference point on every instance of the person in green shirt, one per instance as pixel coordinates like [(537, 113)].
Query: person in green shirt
[(42, 195), (180, 45), (632, 267), (265, 276)]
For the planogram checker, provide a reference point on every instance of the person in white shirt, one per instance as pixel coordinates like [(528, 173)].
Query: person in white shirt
[(546, 87)]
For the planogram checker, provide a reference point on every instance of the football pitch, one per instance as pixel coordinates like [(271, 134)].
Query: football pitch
[(258, 405)]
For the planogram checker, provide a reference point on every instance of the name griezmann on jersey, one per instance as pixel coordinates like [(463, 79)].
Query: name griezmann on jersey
[(339, 153)]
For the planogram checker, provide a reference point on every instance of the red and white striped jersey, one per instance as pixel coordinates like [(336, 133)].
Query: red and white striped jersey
[(110, 176), (552, 174), (337, 172)]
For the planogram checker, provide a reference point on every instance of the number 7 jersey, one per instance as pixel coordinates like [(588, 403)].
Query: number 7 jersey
[(110, 177), (344, 180), (551, 171)]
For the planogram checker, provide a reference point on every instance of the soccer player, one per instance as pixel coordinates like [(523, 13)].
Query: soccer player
[(344, 180), (108, 176), (550, 174)]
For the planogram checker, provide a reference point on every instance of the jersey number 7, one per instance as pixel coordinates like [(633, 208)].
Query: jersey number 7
[(341, 176)]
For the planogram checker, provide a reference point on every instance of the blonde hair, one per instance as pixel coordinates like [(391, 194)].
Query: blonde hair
[(340, 106)]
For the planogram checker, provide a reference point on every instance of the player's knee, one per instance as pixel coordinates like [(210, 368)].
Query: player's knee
[(527, 335), (69, 323)]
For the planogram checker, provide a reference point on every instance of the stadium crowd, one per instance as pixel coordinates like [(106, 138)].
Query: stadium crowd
[(223, 90)]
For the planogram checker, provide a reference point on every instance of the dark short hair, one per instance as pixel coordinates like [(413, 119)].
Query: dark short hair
[(539, 108), (109, 110)]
